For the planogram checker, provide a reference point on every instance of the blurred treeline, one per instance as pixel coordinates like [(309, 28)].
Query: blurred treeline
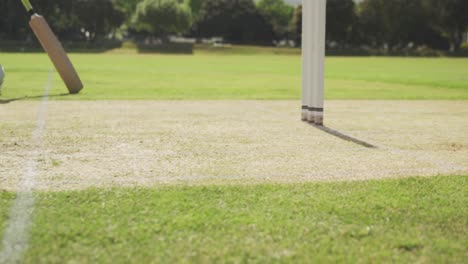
[(372, 24)]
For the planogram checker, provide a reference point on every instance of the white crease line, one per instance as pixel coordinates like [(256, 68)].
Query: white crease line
[(17, 232)]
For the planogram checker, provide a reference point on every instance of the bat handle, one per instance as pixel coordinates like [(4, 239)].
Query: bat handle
[(28, 6)]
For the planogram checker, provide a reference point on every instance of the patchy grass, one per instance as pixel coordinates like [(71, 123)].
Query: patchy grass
[(405, 220), (5, 201), (260, 75)]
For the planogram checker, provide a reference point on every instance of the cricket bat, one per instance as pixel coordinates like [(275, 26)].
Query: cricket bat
[(54, 49)]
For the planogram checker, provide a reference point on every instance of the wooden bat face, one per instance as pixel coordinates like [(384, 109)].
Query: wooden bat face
[(56, 53)]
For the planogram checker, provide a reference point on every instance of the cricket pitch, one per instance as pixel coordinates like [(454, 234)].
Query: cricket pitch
[(146, 143)]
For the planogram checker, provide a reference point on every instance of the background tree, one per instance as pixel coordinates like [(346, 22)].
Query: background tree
[(395, 23), (449, 18), (96, 18), (341, 18), (341, 22), (295, 27), (129, 6), (236, 21), (13, 20), (161, 17), (70, 20), (195, 7), (278, 14)]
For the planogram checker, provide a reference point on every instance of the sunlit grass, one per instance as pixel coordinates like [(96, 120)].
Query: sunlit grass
[(407, 220), (214, 75)]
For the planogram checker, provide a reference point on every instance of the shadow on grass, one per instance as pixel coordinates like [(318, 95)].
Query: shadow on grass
[(7, 101), (342, 136)]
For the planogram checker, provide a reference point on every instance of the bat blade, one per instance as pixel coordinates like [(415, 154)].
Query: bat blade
[(56, 53)]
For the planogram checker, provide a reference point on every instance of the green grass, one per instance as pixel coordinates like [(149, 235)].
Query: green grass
[(5, 202), (215, 75), (406, 220)]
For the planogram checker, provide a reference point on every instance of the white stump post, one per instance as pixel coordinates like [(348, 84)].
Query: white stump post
[(313, 59), (2, 76), (306, 61)]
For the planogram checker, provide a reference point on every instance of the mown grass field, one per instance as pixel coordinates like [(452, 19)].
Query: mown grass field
[(406, 220), (411, 220), (114, 76), (401, 220)]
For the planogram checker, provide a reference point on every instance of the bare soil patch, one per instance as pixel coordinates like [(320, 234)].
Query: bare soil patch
[(146, 143)]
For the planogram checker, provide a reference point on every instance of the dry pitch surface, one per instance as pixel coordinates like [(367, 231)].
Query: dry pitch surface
[(145, 143)]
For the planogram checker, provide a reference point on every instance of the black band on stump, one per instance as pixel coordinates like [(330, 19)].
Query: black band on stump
[(315, 109)]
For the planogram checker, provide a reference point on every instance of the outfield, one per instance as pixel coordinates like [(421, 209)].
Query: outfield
[(205, 76), (175, 158)]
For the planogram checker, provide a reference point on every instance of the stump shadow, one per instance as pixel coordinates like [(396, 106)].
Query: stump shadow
[(344, 137)]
